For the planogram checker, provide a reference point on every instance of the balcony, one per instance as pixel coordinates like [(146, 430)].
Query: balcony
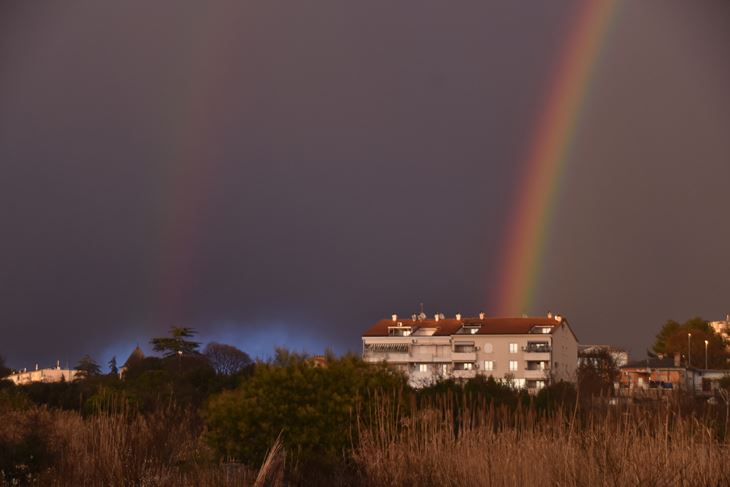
[(464, 374), (372, 356), (537, 374), (464, 356)]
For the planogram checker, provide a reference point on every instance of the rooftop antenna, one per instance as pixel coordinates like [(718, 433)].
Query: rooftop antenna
[(422, 315)]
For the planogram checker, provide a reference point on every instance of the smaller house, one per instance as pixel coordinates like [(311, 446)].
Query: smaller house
[(660, 373), (707, 381)]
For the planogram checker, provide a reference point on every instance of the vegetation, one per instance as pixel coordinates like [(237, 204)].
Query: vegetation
[(674, 338), (216, 418), (177, 342), (4, 369), (226, 359), (87, 367)]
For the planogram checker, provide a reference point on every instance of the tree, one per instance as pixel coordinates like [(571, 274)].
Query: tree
[(113, 370), (226, 359), (674, 338), (597, 372), (176, 343), (4, 370), (87, 367)]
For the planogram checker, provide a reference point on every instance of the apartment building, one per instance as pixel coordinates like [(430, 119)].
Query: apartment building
[(527, 352)]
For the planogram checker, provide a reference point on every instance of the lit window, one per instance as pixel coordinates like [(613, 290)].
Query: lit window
[(489, 365), (423, 367), (513, 365), (518, 383), (512, 348)]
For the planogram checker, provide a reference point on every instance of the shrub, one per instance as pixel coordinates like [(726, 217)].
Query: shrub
[(313, 408)]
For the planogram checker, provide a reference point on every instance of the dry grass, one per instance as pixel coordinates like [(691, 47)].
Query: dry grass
[(647, 446), (628, 446), (61, 448)]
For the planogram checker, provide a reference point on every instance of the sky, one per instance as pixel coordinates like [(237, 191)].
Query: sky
[(285, 174)]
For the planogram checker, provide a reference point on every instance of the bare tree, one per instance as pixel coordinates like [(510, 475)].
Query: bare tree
[(226, 359)]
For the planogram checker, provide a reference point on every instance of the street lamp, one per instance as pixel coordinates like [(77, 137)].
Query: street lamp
[(706, 343), (689, 350)]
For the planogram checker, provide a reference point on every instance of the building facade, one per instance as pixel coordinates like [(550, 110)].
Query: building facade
[(524, 352), (56, 374), (722, 328)]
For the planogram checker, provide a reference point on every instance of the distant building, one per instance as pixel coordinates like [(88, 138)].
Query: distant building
[(657, 373), (722, 328), (525, 352), (56, 374), (620, 356), (135, 357)]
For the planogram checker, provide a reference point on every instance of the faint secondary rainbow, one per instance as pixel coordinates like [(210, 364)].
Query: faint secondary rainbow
[(547, 155), (191, 172)]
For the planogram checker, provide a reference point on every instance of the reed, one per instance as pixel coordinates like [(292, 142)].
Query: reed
[(489, 446)]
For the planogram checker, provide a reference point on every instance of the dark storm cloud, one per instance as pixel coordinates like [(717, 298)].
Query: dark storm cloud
[(347, 160)]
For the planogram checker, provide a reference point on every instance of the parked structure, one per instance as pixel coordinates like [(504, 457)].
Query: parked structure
[(526, 352), (56, 374)]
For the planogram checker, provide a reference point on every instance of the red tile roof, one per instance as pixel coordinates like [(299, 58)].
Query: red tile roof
[(448, 327)]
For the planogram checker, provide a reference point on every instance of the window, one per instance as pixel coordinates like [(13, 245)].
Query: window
[(444, 369), (423, 367), (512, 348), (464, 347), (518, 383), (513, 365), (399, 331), (489, 365), (463, 366)]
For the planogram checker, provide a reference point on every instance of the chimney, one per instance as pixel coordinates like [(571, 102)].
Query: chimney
[(436, 316), (441, 316), (677, 361), (414, 317), (482, 315), (394, 317), (458, 316), (36, 366), (58, 365), (558, 318), (550, 314)]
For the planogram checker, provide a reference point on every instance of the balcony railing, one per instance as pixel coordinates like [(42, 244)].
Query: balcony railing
[(537, 348)]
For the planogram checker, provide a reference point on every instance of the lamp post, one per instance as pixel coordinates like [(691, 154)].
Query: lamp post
[(706, 343), (689, 350)]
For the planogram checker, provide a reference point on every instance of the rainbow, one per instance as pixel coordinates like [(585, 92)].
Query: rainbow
[(548, 154), (191, 169)]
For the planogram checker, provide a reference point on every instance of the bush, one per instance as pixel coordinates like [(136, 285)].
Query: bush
[(313, 408)]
